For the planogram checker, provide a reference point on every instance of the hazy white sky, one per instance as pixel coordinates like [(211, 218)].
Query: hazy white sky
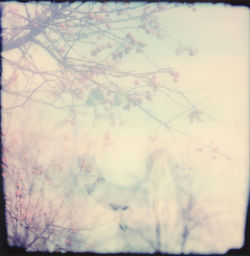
[(220, 68), (217, 77)]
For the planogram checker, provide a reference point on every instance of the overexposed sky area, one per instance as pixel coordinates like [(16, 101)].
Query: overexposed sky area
[(214, 153)]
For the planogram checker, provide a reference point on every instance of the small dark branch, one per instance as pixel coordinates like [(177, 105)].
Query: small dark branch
[(34, 240), (152, 116), (27, 99), (49, 51)]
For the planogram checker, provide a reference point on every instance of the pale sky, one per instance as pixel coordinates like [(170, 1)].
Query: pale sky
[(217, 77)]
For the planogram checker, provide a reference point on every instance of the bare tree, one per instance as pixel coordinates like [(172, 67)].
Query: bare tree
[(85, 44)]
